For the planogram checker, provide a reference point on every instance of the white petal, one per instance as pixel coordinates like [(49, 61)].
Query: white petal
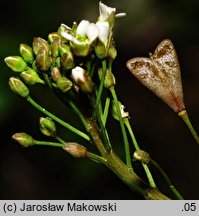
[(70, 38), (120, 15), (92, 32), (65, 26), (105, 11), (104, 31), (82, 28), (78, 74)]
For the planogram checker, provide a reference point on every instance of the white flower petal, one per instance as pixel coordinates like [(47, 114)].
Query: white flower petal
[(70, 38), (78, 74), (92, 32), (82, 28), (104, 31), (65, 26), (120, 15), (105, 11)]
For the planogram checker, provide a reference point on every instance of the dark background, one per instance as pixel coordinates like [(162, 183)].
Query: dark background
[(49, 173)]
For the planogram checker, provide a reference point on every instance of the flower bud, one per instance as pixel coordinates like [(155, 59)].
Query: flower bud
[(63, 48), (18, 87), (47, 126), (83, 80), (26, 53), (53, 36), (64, 84), (75, 149), (67, 61), (55, 74), (100, 50), (16, 63), (39, 43), (114, 110), (109, 78), (112, 53), (43, 60), (142, 156), (31, 77), (23, 139), (54, 48)]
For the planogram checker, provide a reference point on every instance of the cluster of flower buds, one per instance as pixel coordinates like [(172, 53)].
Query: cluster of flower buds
[(61, 60)]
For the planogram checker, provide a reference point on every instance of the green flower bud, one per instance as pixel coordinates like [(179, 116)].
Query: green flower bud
[(142, 156), (43, 60), (54, 48), (76, 150), (16, 63), (53, 36), (67, 61), (112, 53), (81, 50), (26, 53), (100, 50), (47, 126), (39, 43), (64, 48), (64, 84), (114, 110), (109, 78), (31, 77), (18, 87), (55, 74), (23, 139), (83, 80)]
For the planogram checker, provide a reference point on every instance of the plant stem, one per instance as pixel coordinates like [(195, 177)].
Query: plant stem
[(173, 189), (61, 122), (36, 142), (60, 139), (184, 115), (126, 143), (147, 171), (99, 93), (106, 110), (114, 163), (78, 112), (96, 158)]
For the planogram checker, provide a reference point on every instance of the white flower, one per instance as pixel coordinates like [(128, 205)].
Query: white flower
[(123, 113), (87, 31)]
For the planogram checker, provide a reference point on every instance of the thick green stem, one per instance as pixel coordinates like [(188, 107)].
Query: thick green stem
[(127, 175), (61, 122), (184, 115)]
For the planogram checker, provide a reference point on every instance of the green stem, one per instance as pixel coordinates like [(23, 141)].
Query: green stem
[(173, 189), (99, 93), (78, 112), (115, 164), (36, 142), (106, 110), (126, 143), (184, 115), (104, 133), (61, 122), (60, 139), (146, 169), (96, 158)]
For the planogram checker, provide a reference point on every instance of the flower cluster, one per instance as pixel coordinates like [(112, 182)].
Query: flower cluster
[(64, 60)]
